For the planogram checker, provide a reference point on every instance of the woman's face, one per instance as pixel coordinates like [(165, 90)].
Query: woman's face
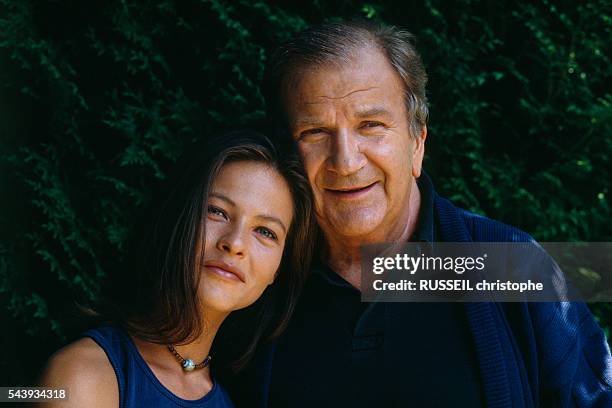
[(250, 210)]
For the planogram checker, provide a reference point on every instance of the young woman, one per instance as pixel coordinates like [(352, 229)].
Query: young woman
[(237, 225)]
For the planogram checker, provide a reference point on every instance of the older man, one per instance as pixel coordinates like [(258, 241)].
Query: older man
[(352, 96)]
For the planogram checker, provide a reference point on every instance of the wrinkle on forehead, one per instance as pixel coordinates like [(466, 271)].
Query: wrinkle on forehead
[(344, 96)]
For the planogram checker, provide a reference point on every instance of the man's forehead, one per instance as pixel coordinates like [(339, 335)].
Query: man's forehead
[(316, 113), (318, 97), (328, 85), (360, 102), (330, 96)]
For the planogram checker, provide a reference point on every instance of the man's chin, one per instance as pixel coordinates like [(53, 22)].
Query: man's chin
[(362, 231)]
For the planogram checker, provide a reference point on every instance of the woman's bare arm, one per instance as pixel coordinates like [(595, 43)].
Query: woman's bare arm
[(83, 370)]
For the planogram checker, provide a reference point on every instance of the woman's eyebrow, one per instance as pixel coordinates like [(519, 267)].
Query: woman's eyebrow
[(224, 198), (274, 220)]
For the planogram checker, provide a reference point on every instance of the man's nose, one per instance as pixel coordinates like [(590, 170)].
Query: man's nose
[(232, 242), (345, 156)]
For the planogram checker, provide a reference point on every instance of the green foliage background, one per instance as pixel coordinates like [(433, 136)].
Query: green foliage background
[(99, 99)]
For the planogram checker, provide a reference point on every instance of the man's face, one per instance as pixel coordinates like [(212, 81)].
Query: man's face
[(352, 131)]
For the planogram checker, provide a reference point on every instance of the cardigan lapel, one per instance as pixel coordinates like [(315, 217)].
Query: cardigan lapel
[(482, 317)]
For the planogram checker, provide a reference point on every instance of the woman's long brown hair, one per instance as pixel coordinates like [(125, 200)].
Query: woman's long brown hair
[(158, 299)]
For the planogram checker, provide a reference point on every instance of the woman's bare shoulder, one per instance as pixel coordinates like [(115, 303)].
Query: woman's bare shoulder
[(84, 371)]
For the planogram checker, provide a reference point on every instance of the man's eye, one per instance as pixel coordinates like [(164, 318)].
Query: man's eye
[(312, 132), (267, 233), (217, 212), (371, 124)]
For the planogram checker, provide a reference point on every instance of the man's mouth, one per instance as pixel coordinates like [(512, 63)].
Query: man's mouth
[(350, 192)]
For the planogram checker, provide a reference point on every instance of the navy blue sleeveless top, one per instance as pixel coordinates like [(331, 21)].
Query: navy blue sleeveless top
[(138, 386)]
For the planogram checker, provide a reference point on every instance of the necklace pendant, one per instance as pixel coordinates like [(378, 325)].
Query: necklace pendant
[(188, 364)]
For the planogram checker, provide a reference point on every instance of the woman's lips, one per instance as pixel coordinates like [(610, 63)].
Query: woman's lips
[(224, 270), (351, 192)]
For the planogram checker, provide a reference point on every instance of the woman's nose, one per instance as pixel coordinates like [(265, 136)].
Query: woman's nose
[(232, 242)]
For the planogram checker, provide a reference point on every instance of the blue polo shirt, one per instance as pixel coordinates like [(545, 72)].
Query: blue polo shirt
[(339, 351)]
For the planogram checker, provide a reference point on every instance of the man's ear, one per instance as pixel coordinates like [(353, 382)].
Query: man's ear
[(418, 152)]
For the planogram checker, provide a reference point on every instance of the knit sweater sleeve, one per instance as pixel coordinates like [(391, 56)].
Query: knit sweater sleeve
[(574, 362), (574, 357)]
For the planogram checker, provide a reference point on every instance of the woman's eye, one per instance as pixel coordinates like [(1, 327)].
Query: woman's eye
[(267, 233), (217, 211)]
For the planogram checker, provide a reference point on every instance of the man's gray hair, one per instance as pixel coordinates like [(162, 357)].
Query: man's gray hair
[(338, 43)]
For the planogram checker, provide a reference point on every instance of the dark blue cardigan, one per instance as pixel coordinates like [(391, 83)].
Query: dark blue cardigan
[(550, 354), (530, 354)]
